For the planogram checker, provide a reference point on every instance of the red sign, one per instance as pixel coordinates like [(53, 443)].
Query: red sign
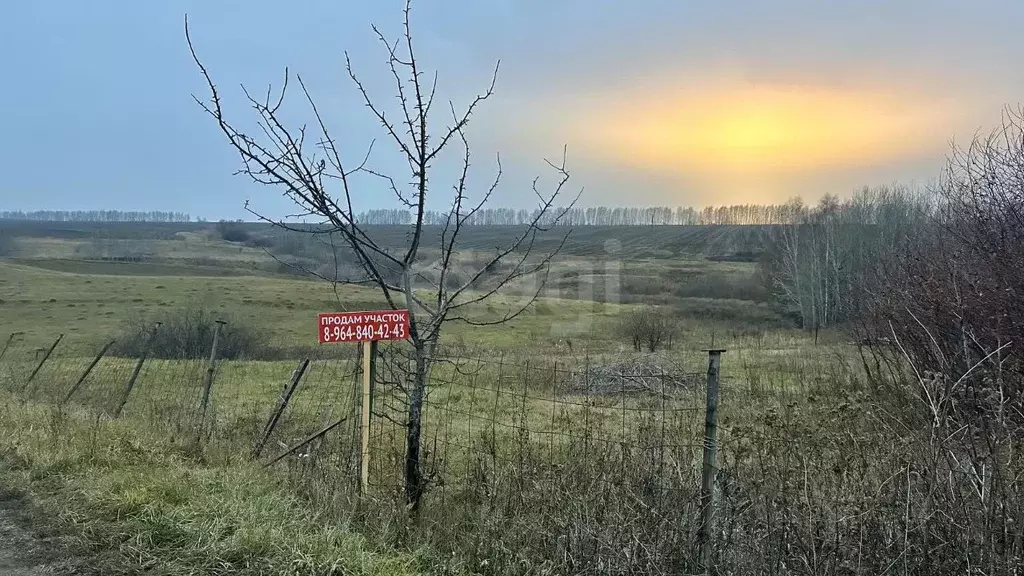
[(363, 326)]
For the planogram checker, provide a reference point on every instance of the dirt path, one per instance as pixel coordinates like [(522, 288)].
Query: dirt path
[(22, 553)]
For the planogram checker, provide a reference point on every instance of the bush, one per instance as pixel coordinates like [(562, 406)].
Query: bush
[(232, 231), (649, 328), (645, 286), (723, 286), (188, 333), (259, 242)]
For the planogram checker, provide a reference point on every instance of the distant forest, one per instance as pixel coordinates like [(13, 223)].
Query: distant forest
[(739, 214), (95, 216)]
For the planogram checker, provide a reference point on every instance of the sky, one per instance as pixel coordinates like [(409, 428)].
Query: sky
[(656, 101)]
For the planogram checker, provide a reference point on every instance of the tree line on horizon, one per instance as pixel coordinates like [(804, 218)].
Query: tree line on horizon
[(95, 216), (736, 214), (726, 215)]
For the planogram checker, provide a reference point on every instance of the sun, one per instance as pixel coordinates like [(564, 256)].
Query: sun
[(751, 132)]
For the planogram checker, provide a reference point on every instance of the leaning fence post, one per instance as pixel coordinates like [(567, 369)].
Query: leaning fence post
[(211, 367), (43, 361), (282, 403), (707, 481), (88, 370), (8, 344), (135, 373), (315, 435)]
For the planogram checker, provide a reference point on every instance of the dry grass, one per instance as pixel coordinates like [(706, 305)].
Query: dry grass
[(116, 487), (533, 468)]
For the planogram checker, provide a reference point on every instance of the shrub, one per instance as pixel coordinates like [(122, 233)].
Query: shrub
[(232, 231), (260, 242), (188, 333), (648, 328), (453, 280), (739, 256), (718, 285), (645, 286)]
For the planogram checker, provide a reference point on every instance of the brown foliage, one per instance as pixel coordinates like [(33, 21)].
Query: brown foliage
[(949, 295)]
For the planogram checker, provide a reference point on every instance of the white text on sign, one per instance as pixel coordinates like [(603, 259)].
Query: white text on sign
[(363, 326)]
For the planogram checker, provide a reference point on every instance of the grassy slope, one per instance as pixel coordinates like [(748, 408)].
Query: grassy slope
[(43, 302), (114, 490), (153, 504), (90, 300), (637, 241)]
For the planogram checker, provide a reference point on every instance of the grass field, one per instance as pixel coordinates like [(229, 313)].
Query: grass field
[(505, 423), (70, 276)]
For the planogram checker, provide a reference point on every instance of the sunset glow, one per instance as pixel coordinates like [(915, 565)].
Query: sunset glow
[(760, 130)]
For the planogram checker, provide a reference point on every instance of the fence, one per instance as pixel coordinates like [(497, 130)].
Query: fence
[(576, 458), (583, 466)]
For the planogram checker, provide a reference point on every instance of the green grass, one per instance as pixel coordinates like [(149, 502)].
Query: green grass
[(715, 303), (60, 279), (43, 302), (114, 489), (158, 492), (529, 474), (138, 481), (91, 308), (39, 302), (114, 268)]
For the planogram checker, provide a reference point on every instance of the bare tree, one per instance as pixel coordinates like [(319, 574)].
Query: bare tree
[(947, 294), (648, 328), (819, 262), (950, 297), (306, 163)]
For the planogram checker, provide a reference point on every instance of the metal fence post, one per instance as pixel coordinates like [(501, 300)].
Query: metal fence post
[(705, 541)]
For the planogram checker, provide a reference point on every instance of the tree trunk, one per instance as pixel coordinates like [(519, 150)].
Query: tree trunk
[(414, 484)]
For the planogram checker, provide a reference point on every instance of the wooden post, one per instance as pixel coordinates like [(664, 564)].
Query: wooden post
[(43, 361), (282, 403), (135, 373), (318, 434), (705, 529), (88, 370), (211, 367), (373, 374), (369, 362)]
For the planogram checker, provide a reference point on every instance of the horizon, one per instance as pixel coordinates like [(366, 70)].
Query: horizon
[(571, 216), (666, 104)]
